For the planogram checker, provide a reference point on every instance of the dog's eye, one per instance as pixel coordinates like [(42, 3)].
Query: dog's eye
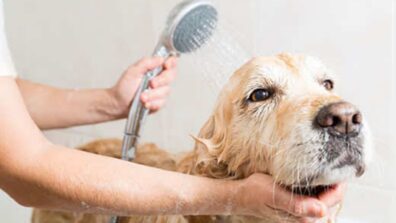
[(260, 95), (328, 84)]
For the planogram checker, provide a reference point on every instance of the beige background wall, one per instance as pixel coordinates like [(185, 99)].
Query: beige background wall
[(84, 44)]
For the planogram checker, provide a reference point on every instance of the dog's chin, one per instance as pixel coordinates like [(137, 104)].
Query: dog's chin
[(324, 183), (321, 185), (313, 191)]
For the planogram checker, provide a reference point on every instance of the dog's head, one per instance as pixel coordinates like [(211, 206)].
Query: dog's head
[(280, 115)]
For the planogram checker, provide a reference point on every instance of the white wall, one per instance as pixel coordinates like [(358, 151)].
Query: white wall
[(88, 44)]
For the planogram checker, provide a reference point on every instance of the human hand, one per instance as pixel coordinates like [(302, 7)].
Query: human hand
[(260, 196), (154, 98)]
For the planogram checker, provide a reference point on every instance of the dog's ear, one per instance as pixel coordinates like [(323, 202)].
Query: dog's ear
[(213, 141), (213, 136)]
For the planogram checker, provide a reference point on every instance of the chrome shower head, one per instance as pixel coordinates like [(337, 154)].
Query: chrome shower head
[(189, 25)]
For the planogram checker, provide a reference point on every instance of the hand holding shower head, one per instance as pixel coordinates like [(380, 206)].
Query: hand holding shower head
[(189, 25)]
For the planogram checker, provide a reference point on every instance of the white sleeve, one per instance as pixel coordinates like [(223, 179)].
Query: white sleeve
[(6, 65)]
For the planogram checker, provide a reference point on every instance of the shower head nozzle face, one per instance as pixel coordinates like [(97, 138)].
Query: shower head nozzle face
[(192, 23)]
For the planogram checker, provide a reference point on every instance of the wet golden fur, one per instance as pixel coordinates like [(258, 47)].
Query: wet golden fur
[(239, 138)]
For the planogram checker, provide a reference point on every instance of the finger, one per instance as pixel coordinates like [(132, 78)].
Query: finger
[(147, 64), (155, 94), (165, 78), (334, 196), (170, 63), (297, 205), (154, 106)]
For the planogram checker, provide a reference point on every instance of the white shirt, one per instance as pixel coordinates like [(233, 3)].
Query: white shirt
[(6, 65)]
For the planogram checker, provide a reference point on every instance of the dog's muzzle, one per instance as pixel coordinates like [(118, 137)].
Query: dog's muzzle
[(342, 122)]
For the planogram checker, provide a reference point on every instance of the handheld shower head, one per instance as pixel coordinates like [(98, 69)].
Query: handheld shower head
[(189, 25)]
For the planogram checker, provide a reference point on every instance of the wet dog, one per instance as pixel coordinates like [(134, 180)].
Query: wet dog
[(276, 115)]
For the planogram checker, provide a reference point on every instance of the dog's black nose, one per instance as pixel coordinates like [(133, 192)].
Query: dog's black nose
[(341, 117)]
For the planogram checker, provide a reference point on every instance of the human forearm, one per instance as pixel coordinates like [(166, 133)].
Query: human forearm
[(60, 178), (57, 108)]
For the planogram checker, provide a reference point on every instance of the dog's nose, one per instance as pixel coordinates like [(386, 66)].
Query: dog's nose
[(341, 117)]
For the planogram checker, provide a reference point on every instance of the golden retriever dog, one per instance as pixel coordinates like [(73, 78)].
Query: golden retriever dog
[(276, 115)]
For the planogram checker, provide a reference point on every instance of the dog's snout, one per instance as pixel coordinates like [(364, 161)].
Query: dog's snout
[(341, 117)]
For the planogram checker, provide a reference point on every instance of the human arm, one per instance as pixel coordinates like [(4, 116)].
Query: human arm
[(52, 107)]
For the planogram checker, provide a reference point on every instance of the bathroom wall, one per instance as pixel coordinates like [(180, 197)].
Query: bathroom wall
[(87, 44)]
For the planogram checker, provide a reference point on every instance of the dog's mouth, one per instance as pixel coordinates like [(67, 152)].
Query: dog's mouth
[(312, 191)]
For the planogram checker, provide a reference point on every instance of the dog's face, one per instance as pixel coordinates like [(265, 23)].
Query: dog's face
[(280, 115)]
